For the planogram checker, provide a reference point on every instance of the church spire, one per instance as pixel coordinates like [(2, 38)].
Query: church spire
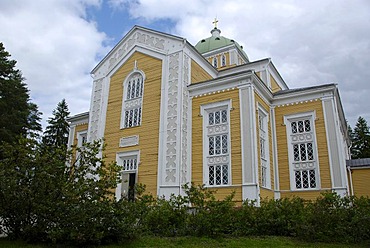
[(215, 31)]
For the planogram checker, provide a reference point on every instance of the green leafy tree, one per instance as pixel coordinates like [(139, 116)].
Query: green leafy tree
[(360, 138), (44, 198), (56, 133), (18, 117)]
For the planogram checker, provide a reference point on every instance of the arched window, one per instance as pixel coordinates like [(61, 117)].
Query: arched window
[(215, 62), (132, 100)]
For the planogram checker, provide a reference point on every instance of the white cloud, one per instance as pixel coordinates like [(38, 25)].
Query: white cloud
[(55, 47), (310, 42)]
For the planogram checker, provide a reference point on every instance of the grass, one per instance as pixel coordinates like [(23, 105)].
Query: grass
[(195, 242)]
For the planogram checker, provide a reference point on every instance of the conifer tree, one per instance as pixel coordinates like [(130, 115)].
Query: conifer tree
[(56, 133), (360, 138), (18, 116)]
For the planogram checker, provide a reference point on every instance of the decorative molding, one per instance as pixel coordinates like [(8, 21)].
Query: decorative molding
[(129, 141), (140, 38), (172, 114), (184, 122), (95, 111)]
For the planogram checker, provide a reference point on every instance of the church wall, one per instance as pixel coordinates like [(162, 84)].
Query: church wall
[(361, 182), (283, 159), (197, 143), (274, 86), (265, 192), (148, 132), (198, 74)]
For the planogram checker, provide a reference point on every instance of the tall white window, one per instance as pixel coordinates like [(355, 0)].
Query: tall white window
[(264, 148), (129, 162), (216, 150), (304, 173), (132, 100)]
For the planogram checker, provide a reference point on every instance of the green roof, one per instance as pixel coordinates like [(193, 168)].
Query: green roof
[(216, 41)]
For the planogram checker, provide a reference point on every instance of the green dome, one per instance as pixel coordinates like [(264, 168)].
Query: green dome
[(216, 41)]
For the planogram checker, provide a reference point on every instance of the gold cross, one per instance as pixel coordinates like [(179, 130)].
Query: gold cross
[(215, 22)]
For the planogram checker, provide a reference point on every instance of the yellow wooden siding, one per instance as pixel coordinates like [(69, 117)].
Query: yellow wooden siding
[(149, 130), (266, 107), (307, 195), (197, 142), (283, 159), (266, 194), (361, 182), (198, 74), (274, 86)]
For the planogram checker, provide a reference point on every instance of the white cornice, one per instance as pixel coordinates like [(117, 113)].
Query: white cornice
[(303, 95)]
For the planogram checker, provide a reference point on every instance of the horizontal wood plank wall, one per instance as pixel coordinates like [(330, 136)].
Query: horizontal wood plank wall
[(265, 193), (197, 142), (149, 130), (274, 86), (282, 145), (198, 74), (361, 182)]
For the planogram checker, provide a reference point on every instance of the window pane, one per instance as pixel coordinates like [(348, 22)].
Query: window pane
[(300, 127), (141, 86), (217, 117), (312, 179), (211, 175), (303, 151), (225, 174), (309, 151), (126, 118), (131, 118), (294, 127), (296, 152), (224, 144), (224, 116), (218, 144), (135, 117), (133, 87), (211, 146), (218, 175), (298, 180), (211, 118), (137, 94), (129, 90), (305, 179), (307, 125)]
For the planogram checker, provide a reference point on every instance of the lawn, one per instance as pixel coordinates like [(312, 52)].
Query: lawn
[(275, 242)]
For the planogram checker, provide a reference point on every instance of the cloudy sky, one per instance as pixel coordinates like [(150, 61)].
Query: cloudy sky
[(58, 42)]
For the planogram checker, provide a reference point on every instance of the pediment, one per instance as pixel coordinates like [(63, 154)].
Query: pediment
[(138, 37)]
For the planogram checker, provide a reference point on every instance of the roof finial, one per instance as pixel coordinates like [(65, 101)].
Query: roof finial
[(215, 22)]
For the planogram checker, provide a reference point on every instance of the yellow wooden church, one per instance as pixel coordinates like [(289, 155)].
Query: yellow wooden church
[(172, 113)]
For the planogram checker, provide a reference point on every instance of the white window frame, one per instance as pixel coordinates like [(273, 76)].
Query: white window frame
[(134, 103), (263, 131), (81, 138), (309, 137), (120, 158), (209, 131)]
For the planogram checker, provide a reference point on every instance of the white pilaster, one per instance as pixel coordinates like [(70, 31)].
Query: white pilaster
[(250, 187)]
